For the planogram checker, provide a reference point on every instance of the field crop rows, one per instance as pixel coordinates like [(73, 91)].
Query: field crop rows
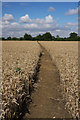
[(65, 56), (19, 60)]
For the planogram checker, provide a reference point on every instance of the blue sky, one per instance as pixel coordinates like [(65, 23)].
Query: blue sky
[(56, 17), (40, 0)]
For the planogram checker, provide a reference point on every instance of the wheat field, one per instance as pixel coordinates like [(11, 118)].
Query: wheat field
[(19, 61), (65, 56)]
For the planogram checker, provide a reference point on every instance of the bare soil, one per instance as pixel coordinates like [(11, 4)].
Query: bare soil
[(47, 100)]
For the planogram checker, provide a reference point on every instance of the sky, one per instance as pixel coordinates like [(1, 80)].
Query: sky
[(40, 0), (58, 18)]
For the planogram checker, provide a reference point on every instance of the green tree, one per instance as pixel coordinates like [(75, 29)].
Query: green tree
[(47, 36), (57, 36), (15, 38), (53, 38), (39, 37), (9, 38), (21, 38), (73, 35), (27, 37), (3, 38)]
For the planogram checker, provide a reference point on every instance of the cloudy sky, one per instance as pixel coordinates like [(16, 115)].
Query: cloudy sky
[(59, 18)]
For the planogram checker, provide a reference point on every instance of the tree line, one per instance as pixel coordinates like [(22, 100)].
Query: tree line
[(45, 37)]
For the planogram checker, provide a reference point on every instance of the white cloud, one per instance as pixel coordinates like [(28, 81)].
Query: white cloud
[(30, 26), (15, 24), (49, 19), (70, 25), (8, 17), (51, 9), (25, 19), (58, 30), (5, 22), (39, 21), (72, 11), (36, 26)]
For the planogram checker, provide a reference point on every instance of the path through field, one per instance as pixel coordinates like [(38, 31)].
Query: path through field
[(47, 101)]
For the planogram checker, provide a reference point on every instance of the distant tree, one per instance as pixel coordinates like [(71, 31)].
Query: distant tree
[(9, 38), (57, 36), (73, 35), (3, 38), (53, 38), (39, 37), (27, 37), (34, 38), (21, 38), (47, 36), (0, 38), (15, 38)]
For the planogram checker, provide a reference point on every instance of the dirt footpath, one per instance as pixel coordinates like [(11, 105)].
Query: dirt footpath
[(47, 101)]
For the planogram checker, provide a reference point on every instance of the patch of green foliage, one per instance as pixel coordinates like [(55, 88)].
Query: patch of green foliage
[(18, 69)]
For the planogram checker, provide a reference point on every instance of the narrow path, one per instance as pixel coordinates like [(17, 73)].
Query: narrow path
[(47, 101)]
